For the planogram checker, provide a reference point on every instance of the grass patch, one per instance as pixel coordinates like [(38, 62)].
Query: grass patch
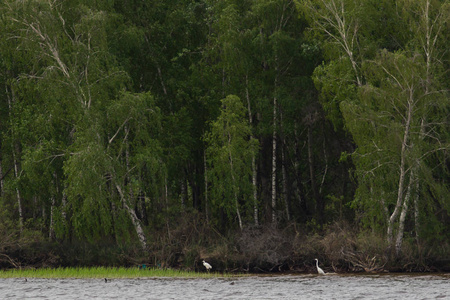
[(105, 272)]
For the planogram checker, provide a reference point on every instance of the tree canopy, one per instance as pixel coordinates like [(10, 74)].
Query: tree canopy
[(117, 118)]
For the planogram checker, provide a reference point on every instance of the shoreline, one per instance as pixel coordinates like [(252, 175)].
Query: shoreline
[(110, 273)]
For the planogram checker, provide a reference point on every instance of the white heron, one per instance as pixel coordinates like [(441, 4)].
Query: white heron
[(207, 266), (319, 270)]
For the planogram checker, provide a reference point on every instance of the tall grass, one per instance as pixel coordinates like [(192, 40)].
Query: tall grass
[(105, 272)]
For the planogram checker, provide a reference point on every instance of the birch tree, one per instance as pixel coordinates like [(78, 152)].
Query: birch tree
[(386, 126), (229, 154)]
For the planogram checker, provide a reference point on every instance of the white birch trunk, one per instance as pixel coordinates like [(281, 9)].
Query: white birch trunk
[(417, 212), (285, 188), (401, 180), (19, 198), (2, 184), (274, 151), (343, 32), (134, 219), (401, 224), (205, 165), (51, 231), (235, 188), (254, 182), (15, 149)]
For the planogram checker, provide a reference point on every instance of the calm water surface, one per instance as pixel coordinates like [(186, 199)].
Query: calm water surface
[(257, 287)]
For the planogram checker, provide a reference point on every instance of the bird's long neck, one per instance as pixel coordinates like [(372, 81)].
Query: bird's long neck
[(317, 263)]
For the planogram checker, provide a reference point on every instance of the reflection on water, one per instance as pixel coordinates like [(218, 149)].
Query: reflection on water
[(256, 287)]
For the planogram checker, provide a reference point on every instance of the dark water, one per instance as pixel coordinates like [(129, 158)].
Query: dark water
[(257, 287)]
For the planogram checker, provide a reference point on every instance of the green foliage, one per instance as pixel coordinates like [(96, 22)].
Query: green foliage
[(229, 153), (108, 109)]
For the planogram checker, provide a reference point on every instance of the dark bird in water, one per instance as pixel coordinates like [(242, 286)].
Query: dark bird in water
[(106, 280)]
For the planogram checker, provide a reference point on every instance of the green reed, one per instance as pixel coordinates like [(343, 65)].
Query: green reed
[(105, 272)]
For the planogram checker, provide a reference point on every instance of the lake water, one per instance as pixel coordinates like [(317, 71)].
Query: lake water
[(309, 287)]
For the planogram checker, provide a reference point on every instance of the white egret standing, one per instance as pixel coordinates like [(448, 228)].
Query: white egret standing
[(319, 270), (207, 266)]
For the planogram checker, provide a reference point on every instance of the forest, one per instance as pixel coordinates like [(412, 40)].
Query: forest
[(256, 134)]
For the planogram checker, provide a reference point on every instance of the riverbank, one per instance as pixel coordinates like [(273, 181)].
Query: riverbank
[(262, 250)]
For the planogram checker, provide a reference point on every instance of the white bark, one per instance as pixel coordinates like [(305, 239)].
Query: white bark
[(254, 182), (134, 219), (332, 20), (235, 188), (401, 223), (274, 150), (15, 150), (417, 212), (402, 171), (2, 184), (206, 188), (285, 188), (19, 198), (51, 231)]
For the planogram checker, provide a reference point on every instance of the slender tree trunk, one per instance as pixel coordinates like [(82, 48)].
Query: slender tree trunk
[(346, 33), (51, 231), (401, 224), (402, 171), (19, 198), (235, 187), (205, 165), (166, 201), (64, 213), (274, 148), (325, 158), (283, 169), (15, 152), (417, 212), (254, 183), (2, 183), (298, 175), (184, 192), (312, 176), (285, 184), (161, 79), (134, 219)]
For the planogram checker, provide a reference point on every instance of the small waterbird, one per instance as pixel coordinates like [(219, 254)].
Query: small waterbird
[(319, 270), (207, 266)]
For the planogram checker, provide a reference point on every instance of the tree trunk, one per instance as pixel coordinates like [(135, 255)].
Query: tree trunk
[(254, 182), (205, 166), (19, 198), (2, 184), (235, 188), (285, 184), (134, 219), (51, 231), (274, 149), (401, 225), (283, 169), (416, 212), (312, 176), (334, 16), (401, 180), (15, 152)]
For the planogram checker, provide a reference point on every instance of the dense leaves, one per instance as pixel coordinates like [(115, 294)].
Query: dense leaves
[(118, 118)]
